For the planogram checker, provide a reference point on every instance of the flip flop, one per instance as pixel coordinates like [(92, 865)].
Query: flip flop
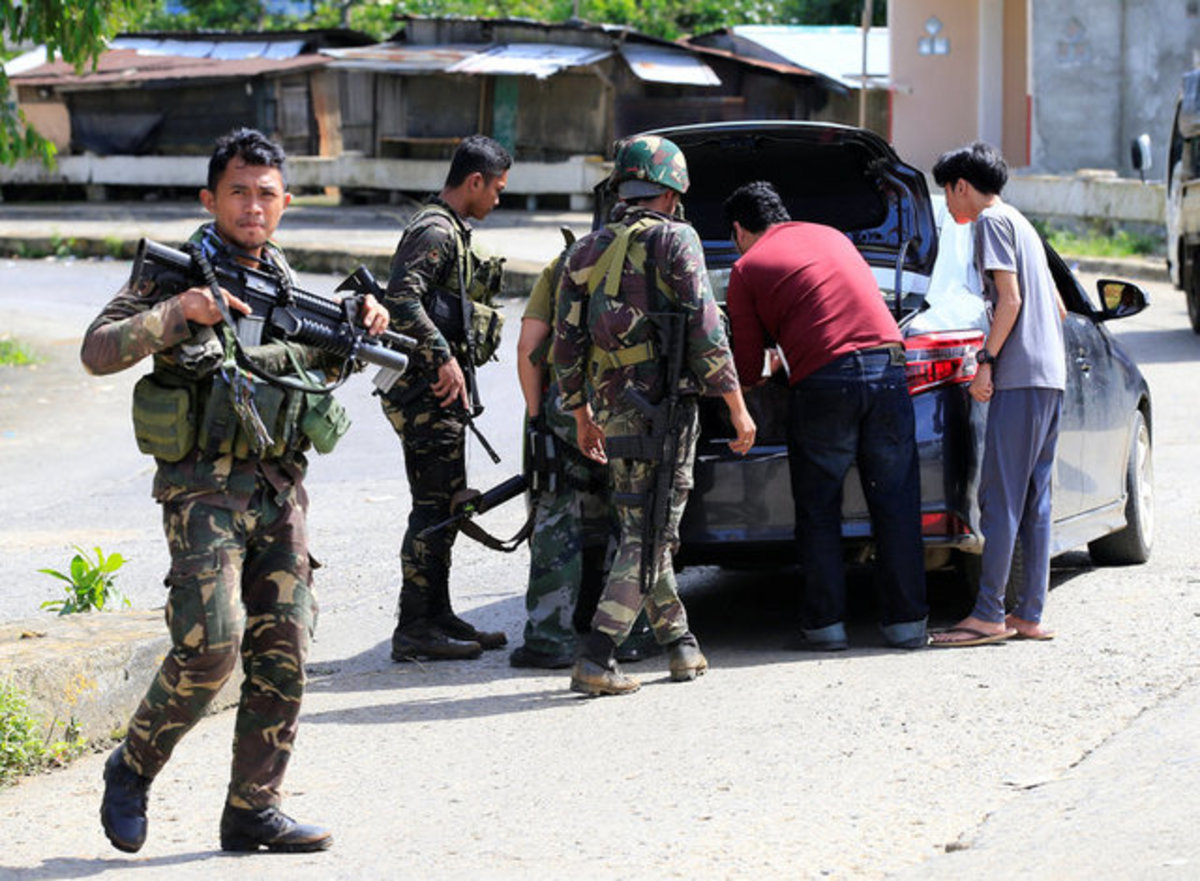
[(1043, 636), (978, 637)]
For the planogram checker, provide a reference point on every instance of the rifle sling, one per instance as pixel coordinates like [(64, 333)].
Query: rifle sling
[(473, 530)]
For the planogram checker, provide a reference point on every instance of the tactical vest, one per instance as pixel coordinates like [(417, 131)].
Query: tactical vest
[(480, 279), (187, 403)]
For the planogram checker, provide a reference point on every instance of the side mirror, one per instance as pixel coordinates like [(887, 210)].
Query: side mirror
[(1140, 155), (1120, 299)]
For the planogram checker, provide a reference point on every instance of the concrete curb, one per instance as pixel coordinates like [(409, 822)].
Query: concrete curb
[(519, 275), (88, 670), (1130, 268)]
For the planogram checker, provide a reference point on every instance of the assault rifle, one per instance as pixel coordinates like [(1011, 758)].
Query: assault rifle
[(663, 442), (280, 310), (470, 502)]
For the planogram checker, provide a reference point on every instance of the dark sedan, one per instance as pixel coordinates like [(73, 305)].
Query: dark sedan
[(741, 510)]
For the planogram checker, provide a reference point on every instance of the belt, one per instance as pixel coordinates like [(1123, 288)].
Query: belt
[(894, 351)]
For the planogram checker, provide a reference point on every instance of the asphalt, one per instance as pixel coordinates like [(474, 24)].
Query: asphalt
[(100, 686)]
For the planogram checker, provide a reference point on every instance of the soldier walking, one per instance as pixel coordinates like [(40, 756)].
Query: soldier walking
[(638, 336), (233, 512)]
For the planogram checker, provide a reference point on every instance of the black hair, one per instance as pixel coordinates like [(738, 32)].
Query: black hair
[(477, 153), (756, 206), (250, 145), (979, 164)]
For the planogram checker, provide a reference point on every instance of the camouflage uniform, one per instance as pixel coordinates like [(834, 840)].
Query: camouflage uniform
[(427, 258), (235, 528), (663, 271), (572, 523)]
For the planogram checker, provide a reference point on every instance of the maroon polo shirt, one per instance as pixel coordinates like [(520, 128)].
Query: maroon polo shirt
[(805, 286)]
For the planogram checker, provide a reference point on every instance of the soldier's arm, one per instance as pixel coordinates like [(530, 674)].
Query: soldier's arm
[(706, 349), (139, 322), (572, 342), (424, 257)]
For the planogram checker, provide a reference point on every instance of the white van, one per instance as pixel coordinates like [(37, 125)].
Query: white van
[(1183, 196)]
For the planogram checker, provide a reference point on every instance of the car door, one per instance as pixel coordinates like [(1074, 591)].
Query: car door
[(1070, 469)]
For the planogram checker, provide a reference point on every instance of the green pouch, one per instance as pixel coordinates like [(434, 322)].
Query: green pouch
[(162, 419), (486, 325), (269, 402), (324, 422)]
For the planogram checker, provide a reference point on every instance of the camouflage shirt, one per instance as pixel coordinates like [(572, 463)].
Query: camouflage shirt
[(426, 257), (663, 271), (145, 321)]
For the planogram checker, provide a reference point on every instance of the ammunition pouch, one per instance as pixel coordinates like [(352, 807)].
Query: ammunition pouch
[(485, 324), (324, 422), (164, 422), (173, 416)]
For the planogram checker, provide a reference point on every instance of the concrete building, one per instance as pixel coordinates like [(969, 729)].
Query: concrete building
[(1058, 85)]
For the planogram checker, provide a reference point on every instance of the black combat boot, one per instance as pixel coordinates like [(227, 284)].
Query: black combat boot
[(524, 656), (456, 628), (639, 644), (420, 640), (245, 830), (123, 809), (596, 672), (685, 659)]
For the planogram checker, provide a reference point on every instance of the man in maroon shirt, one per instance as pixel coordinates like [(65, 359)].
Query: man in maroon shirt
[(805, 288)]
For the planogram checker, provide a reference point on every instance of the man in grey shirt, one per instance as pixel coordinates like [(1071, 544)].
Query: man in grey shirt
[(1022, 374)]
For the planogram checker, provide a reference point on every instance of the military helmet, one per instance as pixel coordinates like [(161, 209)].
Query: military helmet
[(647, 165)]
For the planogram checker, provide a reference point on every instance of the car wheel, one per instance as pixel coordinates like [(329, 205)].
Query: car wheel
[(971, 568), (1192, 294), (1133, 543)]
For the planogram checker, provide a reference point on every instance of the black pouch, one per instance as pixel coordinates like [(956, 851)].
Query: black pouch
[(163, 422), (219, 422)]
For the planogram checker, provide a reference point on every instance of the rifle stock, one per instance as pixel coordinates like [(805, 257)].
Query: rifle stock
[(481, 503)]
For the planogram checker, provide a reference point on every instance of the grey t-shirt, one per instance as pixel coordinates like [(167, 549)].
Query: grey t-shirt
[(1033, 356)]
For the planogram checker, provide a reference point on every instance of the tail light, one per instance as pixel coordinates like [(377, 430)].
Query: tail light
[(944, 357), (940, 523)]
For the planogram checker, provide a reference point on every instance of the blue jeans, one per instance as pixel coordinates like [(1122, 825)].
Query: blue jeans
[(857, 409)]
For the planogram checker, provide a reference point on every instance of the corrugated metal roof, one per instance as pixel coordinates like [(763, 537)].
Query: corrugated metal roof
[(401, 57), (659, 64), (131, 66), (229, 50), (529, 59), (834, 51)]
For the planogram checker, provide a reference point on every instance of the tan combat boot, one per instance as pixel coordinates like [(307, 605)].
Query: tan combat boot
[(592, 679)]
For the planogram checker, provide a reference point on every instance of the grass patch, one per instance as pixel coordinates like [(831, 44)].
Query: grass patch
[(1100, 242), (14, 353), (23, 747)]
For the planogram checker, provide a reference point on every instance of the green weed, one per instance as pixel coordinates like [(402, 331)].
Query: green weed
[(14, 353), (23, 749), (89, 585)]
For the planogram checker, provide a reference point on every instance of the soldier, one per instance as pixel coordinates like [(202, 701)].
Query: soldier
[(573, 522), (438, 293), (234, 518), (633, 293)]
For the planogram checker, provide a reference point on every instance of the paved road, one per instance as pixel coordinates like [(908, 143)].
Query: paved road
[(1070, 759)]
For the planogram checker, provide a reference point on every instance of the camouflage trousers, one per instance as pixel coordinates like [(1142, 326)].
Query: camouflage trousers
[(622, 599), (434, 439), (568, 547), (224, 561)]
